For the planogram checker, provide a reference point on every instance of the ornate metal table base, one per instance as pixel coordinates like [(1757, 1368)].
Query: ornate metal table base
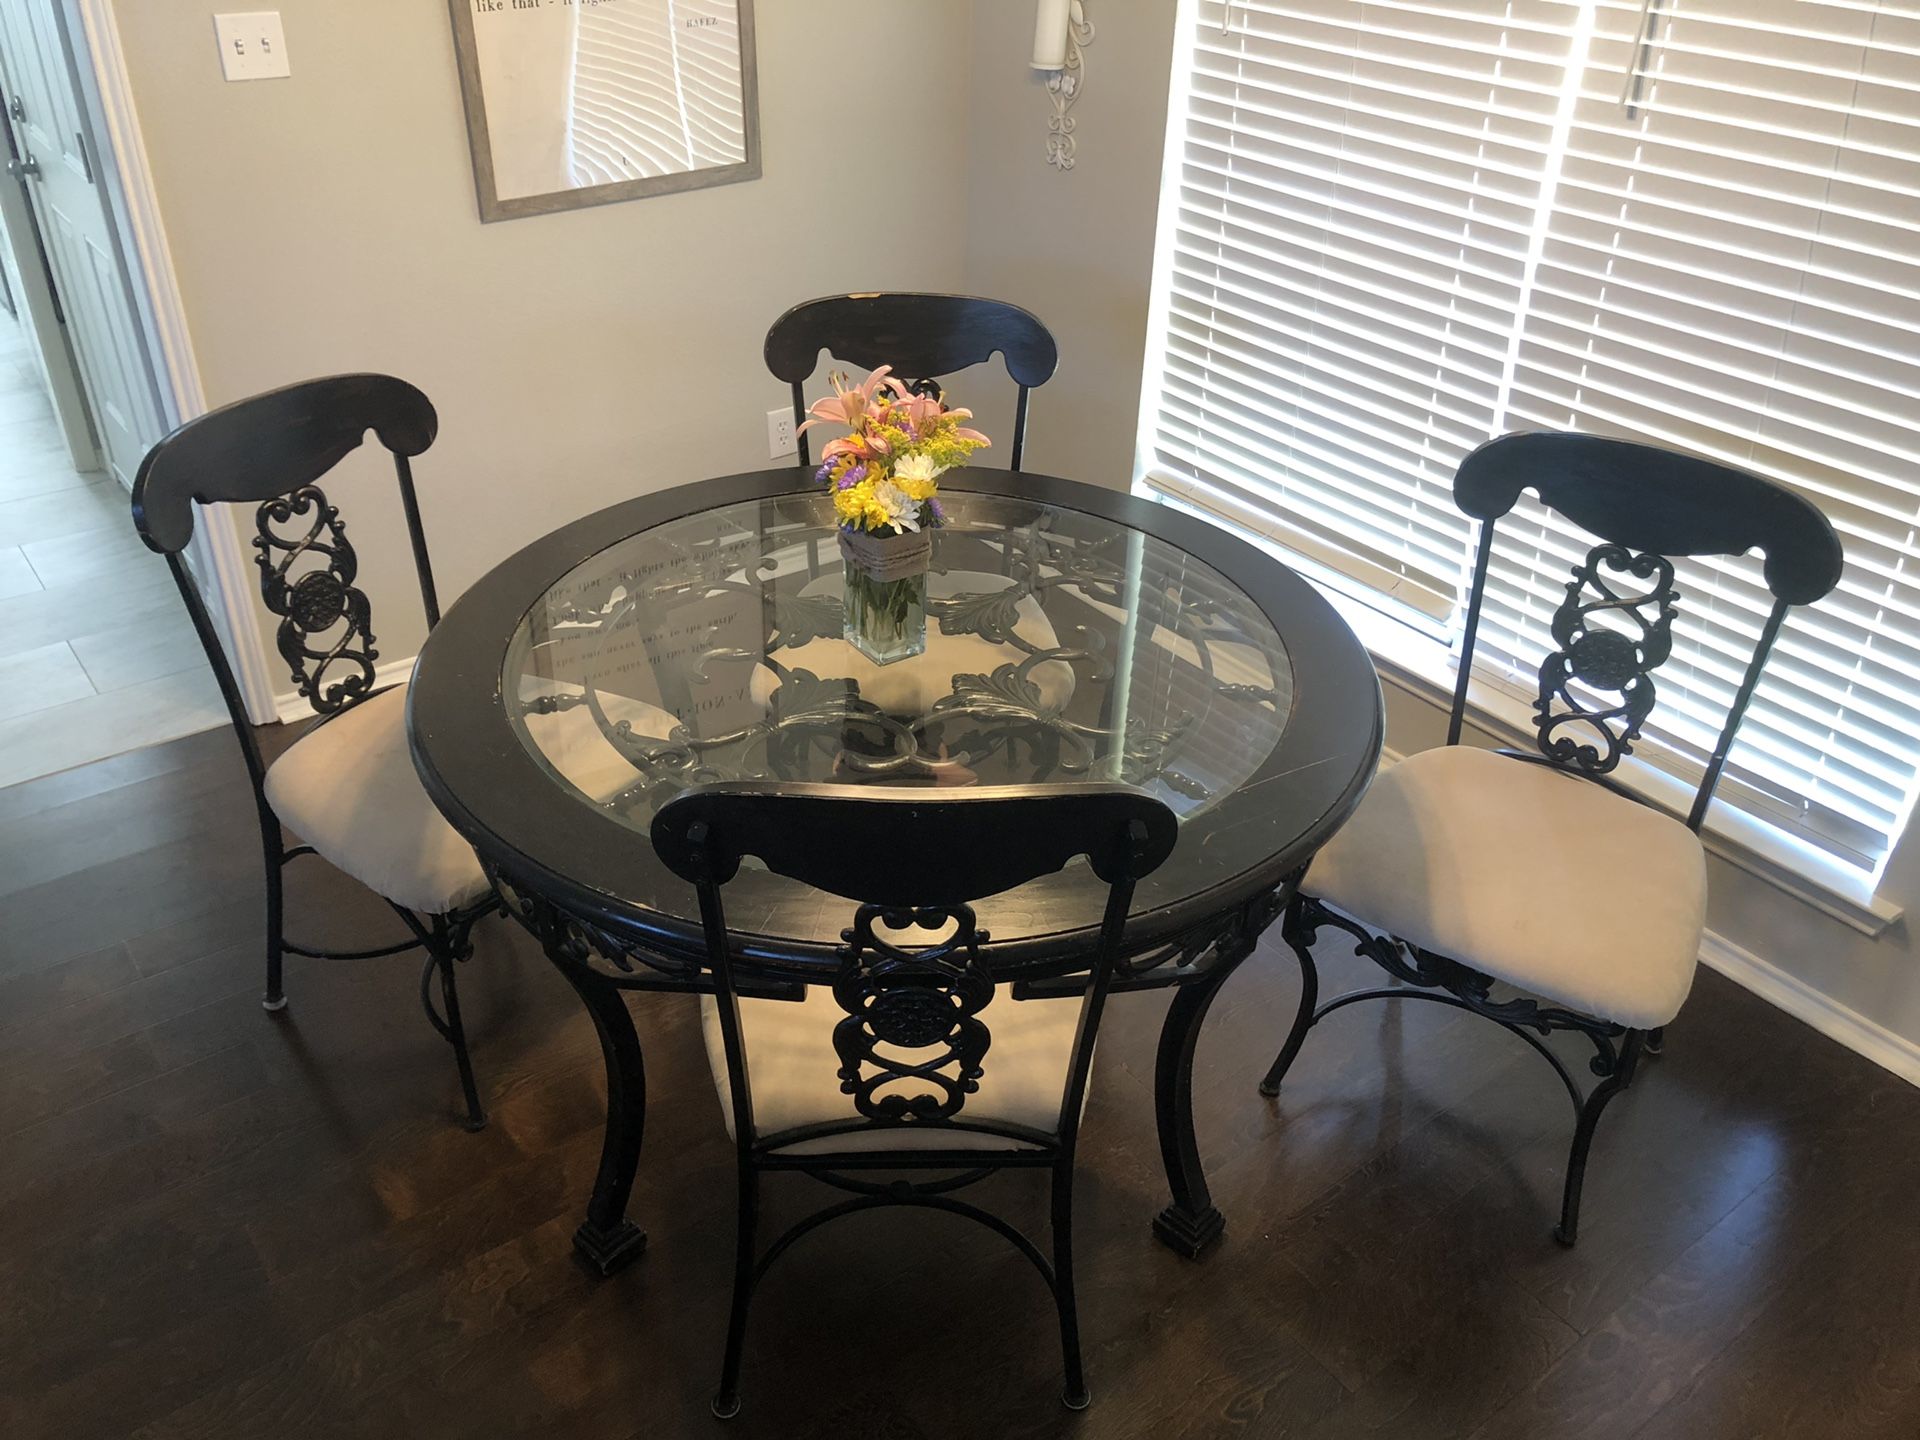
[(601, 967)]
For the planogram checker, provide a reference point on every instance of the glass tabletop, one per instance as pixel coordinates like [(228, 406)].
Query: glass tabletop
[(1061, 646)]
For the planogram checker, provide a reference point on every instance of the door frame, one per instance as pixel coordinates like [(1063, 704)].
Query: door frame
[(106, 94)]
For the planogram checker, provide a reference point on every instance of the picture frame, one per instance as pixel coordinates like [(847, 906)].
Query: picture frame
[(572, 103)]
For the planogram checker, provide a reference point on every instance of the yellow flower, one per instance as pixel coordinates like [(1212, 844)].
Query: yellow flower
[(851, 504)]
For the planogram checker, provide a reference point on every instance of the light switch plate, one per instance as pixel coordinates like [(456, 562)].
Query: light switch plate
[(252, 46)]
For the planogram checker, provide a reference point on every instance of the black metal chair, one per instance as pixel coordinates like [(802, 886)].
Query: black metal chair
[(923, 337), (884, 1063), (347, 786), (1465, 867)]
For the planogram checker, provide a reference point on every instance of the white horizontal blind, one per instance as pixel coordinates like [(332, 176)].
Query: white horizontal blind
[(1732, 266), (1356, 198), (1401, 229)]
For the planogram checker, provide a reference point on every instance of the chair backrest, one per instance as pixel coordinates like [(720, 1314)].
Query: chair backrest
[(913, 1042), (923, 337), (1645, 505), (269, 450)]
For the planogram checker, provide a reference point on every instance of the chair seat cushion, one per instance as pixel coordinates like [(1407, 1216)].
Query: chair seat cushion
[(348, 788), (795, 1072), (1539, 878)]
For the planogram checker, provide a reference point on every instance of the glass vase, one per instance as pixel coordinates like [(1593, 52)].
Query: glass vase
[(886, 620)]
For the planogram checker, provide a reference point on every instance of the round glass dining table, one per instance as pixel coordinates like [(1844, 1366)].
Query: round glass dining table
[(1073, 634)]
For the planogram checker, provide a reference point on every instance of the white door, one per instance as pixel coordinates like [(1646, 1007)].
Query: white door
[(78, 231), (38, 312)]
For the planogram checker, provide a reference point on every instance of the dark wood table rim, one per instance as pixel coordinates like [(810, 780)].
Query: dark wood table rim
[(563, 863)]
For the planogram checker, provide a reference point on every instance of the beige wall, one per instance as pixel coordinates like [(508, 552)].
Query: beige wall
[(327, 222), (1075, 247), (1078, 249)]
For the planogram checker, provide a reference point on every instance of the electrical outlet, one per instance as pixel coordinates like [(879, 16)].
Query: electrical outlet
[(252, 46), (780, 442)]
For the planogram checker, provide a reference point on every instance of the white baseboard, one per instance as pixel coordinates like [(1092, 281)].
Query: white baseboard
[(292, 706), (1890, 1051)]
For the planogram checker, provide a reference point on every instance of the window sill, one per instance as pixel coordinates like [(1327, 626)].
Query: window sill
[(1419, 666)]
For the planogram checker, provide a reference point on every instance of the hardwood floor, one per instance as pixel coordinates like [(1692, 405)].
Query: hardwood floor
[(97, 655), (216, 1223)]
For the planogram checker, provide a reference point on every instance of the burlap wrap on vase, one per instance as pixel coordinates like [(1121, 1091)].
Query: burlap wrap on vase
[(887, 557)]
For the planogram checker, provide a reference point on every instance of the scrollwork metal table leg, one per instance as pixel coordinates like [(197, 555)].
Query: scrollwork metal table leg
[(1190, 1225), (607, 1240)]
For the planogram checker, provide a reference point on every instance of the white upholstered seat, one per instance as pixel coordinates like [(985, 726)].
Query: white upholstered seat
[(349, 789), (1542, 879), (795, 1072)]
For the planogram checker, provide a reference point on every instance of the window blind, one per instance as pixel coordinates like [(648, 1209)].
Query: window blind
[(1694, 222), (1355, 200), (1734, 268)]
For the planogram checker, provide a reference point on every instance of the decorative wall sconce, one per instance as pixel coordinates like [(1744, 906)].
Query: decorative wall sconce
[(1061, 31)]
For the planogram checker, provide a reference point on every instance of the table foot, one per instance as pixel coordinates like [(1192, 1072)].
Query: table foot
[(1188, 1234), (610, 1251)]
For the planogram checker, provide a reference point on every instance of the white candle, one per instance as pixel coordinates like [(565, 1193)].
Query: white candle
[(1050, 34)]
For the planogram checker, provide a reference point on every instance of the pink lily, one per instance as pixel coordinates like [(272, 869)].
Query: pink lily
[(922, 411), (847, 445), (849, 406)]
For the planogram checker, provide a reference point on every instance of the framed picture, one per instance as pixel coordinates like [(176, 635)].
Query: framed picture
[(584, 102)]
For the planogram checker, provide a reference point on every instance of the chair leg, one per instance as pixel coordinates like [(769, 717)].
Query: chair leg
[(1656, 1043), (446, 945), (726, 1400), (1302, 1018), (1074, 1395), (275, 998), (1568, 1230)]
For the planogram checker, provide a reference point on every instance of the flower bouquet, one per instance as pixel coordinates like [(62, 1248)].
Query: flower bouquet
[(883, 476)]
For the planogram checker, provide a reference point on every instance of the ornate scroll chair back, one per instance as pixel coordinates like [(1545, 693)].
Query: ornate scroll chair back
[(350, 792), (1646, 506), (1464, 869), (270, 450), (923, 337), (889, 1060)]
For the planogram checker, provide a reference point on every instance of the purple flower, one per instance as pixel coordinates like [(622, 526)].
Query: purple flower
[(855, 474), (939, 515)]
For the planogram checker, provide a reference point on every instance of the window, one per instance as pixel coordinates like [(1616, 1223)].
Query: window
[(1394, 230)]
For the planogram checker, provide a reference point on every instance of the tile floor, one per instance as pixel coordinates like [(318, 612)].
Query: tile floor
[(96, 654)]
